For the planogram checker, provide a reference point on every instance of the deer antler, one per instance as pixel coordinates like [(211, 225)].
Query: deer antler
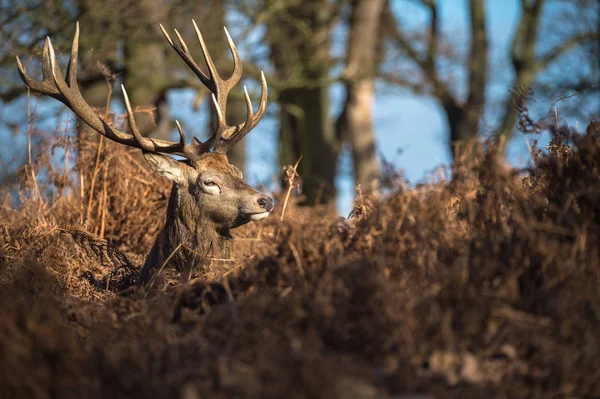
[(225, 136), (67, 91)]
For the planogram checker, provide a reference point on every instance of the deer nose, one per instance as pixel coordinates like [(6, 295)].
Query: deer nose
[(266, 203)]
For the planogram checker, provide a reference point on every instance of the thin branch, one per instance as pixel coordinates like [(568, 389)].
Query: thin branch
[(398, 36), (561, 49), (433, 35), (478, 57), (523, 44), (292, 183), (563, 98), (418, 88)]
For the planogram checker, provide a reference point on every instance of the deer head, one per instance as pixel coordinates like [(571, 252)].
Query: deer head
[(213, 189), (207, 191)]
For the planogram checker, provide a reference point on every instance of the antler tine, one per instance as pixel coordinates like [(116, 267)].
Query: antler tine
[(236, 74), (46, 85), (144, 145), (225, 145), (183, 52), (181, 148), (264, 94), (72, 66), (218, 82), (181, 134), (59, 79), (219, 86), (203, 147), (221, 124), (53, 83), (212, 69), (252, 118)]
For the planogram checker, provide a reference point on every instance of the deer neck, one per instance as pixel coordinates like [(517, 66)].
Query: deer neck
[(188, 239), (189, 228)]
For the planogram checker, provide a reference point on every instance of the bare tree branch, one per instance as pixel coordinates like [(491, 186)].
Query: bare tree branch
[(428, 68), (563, 48), (523, 44), (415, 87), (433, 35)]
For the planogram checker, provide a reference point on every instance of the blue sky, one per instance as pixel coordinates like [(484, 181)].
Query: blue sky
[(411, 130)]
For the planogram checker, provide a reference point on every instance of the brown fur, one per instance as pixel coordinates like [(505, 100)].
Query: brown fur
[(198, 223)]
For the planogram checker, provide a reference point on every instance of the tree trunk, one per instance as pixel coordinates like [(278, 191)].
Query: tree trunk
[(523, 60), (147, 77), (360, 132), (464, 115), (464, 120), (299, 39), (305, 130), (355, 123)]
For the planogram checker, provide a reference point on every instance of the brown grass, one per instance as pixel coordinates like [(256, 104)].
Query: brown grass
[(486, 285)]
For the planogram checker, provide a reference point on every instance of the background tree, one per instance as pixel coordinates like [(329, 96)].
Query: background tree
[(529, 62), (299, 37), (534, 49), (355, 123), (463, 115)]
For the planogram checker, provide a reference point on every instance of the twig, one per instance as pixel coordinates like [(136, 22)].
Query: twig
[(563, 98), (104, 203), (107, 78), (199, 255), (573, 95), (93, 183), (162, 267), (296, 257), (29, 129), (66, 171), (97, 163), (320, 192), (291, 186)]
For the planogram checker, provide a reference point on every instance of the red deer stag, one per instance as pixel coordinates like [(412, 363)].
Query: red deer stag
[(209, 196)]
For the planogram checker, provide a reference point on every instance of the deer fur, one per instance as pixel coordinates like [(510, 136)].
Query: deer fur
[(199, 220)]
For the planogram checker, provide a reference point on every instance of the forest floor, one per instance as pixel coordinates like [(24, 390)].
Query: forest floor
[(484, 283)]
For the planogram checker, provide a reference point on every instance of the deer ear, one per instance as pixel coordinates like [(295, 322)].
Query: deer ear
[(168, 167)]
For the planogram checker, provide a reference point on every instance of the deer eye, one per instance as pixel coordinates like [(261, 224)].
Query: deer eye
[(210, 187)]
